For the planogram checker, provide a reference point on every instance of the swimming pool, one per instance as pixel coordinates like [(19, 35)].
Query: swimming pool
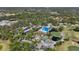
[(45, 29)]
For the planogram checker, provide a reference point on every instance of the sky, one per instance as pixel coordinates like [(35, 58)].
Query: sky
[(39, 3)]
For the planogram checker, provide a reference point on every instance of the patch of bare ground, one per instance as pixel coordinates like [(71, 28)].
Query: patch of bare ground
[(5, 45)]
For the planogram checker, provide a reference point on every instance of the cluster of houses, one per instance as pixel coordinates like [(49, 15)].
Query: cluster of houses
[(45, 42)]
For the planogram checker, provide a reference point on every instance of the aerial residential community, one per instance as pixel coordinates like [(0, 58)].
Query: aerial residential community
[(39, 29)]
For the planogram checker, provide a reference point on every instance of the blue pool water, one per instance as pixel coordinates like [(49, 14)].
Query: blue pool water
[(45, 29)]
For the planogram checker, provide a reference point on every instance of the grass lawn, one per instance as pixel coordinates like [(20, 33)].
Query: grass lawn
[(56, 34), (73, 48)]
